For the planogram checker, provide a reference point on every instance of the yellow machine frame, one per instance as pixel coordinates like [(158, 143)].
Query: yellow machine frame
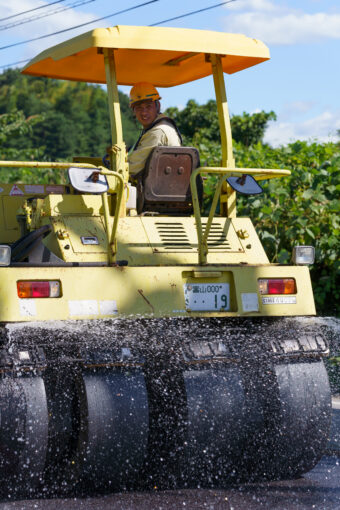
[(248, 51), (172, 56)]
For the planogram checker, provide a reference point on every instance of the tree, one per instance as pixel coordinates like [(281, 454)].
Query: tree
[(75, 115), (14, 124), (11, 125), (249, 129), (300, 209), (197, 120), (200, 122)]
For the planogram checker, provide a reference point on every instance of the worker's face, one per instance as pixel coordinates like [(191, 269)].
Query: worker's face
[(146, 112)]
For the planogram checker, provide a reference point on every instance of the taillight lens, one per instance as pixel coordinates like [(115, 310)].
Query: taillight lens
[(277, 286), (38, 289)]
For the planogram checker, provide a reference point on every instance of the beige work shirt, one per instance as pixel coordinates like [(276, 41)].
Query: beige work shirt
[(161, 134)]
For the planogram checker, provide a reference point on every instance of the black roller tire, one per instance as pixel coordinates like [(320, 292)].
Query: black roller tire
[(294, 416), (255, 423), (114, 426), (23, 432)]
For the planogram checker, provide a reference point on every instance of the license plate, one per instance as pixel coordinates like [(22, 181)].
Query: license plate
[(207, 297)]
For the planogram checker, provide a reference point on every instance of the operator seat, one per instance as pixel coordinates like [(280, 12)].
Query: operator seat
[(164, 185)]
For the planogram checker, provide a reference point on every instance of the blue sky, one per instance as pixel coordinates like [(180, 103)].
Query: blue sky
[(300, 83)]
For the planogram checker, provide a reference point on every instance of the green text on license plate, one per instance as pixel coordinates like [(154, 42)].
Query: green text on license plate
[(207, 296)]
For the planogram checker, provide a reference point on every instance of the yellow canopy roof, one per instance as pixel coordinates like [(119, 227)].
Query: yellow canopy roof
[(160, 55)]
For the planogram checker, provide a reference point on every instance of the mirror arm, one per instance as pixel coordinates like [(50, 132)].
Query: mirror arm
[(223, 172), (202, 237), (213, 207)]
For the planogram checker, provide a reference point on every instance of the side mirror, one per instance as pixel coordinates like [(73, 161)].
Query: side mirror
[(88, 180), (245, 184)]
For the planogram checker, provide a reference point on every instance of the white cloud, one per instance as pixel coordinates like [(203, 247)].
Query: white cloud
[(299, 106), (322, 128), (54, 22), (295, 108), (277, 24), (47, 25), (240, 5)]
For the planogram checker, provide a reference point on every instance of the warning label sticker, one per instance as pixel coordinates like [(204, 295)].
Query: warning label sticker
[(16, 191), (56, 189), (34, 188)]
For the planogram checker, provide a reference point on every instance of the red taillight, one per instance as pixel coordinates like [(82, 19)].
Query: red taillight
[(277, 286), (38, 289)]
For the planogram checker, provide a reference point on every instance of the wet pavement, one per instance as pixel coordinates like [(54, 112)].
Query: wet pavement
[(334, 442), (319, 489)]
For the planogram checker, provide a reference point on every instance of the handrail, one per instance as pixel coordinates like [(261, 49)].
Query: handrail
[(111, 230), (258, 173), (224, 172), (44, 164)]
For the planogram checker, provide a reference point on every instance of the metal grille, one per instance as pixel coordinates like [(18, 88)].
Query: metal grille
[(217, 239), (173, 236)]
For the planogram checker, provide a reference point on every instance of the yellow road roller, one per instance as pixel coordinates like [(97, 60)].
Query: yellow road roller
[(152, 346)]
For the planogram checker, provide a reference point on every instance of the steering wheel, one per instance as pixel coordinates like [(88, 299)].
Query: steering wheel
[(23, 246)]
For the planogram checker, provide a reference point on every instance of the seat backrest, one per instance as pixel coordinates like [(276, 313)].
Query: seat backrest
[(166, 179)]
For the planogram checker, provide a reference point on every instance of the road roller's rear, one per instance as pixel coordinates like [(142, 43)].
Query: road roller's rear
[(148, 345)]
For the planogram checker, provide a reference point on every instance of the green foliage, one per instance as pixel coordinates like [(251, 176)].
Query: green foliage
[(13, 125), (249, 129), (301, 209), (73, 118), (197, 122)]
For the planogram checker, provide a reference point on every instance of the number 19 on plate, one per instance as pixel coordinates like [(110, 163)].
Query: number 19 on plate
[(207, 297)]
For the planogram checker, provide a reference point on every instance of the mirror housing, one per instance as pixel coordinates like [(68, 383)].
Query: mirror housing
[(245, 184), (88, 180)]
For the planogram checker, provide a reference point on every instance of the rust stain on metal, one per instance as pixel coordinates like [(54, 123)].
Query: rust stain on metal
[(146, 299)]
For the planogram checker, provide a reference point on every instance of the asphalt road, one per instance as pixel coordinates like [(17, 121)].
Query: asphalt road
[(334, 442), (319, 489)]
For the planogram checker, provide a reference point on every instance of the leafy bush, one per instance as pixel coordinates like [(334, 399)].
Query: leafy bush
[(197, 122), (13, 125), (300, 209)]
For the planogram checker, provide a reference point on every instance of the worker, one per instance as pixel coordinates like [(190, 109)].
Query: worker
[(158, 129)]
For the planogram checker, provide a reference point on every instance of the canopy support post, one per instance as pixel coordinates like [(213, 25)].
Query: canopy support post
[(118, 150), (117, 154), (228, 196)]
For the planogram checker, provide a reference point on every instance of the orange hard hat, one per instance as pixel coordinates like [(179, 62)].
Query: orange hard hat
[(143, 91)]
